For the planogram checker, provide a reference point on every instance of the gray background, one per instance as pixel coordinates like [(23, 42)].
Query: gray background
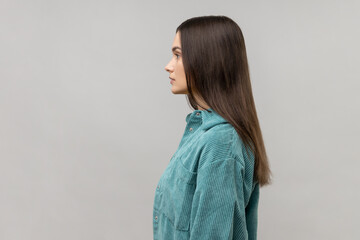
[(88, 120)]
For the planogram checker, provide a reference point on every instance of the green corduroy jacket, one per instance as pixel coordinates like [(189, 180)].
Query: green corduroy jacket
[(207, 191)]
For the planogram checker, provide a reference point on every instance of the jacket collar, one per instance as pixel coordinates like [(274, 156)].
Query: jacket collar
[(209, 118)]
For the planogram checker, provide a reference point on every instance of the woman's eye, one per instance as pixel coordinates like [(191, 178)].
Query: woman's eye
[(177, 55)]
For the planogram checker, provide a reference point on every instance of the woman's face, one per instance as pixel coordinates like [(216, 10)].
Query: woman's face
[(176, 69)]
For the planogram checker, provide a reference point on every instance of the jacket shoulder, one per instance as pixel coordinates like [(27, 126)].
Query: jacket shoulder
[(216, 144)]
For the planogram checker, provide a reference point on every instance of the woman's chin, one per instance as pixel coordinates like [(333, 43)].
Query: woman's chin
[(175, 90)]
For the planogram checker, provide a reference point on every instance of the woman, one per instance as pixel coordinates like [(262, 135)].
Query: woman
[(210, 188)]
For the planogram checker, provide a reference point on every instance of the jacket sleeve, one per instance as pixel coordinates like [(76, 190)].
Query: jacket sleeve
[(218, 210)]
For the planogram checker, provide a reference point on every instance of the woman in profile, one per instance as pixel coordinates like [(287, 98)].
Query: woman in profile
[(210, 188)]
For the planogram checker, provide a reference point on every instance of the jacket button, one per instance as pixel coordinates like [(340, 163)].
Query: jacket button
[(158, 187), (156, 217), (198, 113), (190, 129)]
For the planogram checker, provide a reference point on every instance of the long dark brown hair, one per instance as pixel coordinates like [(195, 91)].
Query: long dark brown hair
[(216, 68)]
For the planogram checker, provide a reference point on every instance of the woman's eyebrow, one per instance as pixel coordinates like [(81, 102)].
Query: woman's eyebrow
[(174, 48)]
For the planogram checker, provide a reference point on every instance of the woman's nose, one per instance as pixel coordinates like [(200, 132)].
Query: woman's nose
[(168, 68)]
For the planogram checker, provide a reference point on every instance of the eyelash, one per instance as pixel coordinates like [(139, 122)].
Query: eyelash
[(177, 55)]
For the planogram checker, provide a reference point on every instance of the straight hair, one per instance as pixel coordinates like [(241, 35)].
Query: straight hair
[(216, 68)]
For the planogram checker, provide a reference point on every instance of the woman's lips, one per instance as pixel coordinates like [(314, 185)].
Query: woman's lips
[(171, 80)]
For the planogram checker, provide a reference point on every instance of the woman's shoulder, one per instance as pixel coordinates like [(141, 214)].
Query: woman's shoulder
[(219, 133), (222, 141), (217, 143)]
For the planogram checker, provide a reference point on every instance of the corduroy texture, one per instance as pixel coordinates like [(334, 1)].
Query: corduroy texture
[(207, 190)]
